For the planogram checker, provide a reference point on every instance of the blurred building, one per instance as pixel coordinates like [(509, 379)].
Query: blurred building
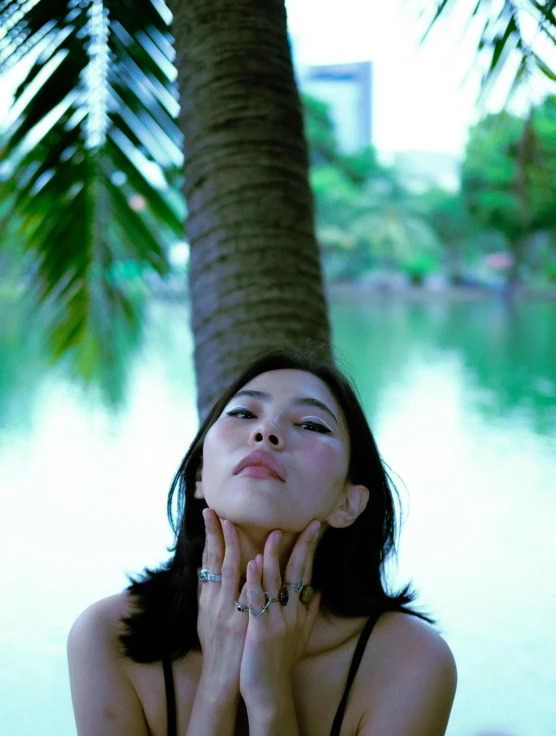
[(347, 88)]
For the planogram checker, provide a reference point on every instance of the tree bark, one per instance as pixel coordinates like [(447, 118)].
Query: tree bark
[(255, 273), (525, 156)]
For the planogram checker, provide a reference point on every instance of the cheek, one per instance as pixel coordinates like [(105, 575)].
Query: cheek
[(218, 439), (218, 453), (328, 463), (210, 458)]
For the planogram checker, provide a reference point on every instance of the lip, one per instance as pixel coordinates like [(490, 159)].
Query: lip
[(261, 458)]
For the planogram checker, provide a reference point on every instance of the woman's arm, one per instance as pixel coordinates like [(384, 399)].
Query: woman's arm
[(273, 718), (104, 700), (212, 713)]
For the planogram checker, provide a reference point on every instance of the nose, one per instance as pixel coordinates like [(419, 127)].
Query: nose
[(267, 433)]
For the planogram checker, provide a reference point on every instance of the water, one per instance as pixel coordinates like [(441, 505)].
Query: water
[(462, 399)]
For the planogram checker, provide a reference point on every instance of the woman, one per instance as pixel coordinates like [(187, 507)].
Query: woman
[(260, 623)]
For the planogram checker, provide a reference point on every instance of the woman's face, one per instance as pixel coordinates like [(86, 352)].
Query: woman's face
[(278, 455)]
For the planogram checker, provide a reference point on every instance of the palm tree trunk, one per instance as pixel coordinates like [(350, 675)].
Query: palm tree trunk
[(255, 273)]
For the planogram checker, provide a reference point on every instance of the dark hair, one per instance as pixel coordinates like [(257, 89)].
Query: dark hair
[(349, 565)]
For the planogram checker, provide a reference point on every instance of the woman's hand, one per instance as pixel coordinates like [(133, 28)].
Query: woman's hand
[(277, 639), (221, 629)]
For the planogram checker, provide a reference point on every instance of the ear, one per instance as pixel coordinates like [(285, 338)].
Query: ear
[(353, 504), (199, 482)]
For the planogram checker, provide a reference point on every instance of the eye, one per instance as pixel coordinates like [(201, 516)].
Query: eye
[(241, 413), (315, 427)]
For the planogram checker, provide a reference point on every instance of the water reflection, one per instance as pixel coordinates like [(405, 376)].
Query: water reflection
[(99, 367), (22, 361), (508, 350)]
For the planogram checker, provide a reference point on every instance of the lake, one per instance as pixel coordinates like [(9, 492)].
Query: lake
[(461, 396)]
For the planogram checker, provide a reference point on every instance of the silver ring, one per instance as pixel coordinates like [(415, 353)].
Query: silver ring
[(240, 607), (268, 601), (297, 586), (208, 577)]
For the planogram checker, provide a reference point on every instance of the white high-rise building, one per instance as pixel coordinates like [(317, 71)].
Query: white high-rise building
[(347, 88)]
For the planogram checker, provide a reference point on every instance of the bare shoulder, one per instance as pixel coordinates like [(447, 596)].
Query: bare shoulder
[(410, 679), (413, 642), (104, 699), (97, 629), (101, 619)]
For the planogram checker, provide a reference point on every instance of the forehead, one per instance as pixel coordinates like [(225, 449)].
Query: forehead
[(289, 383)]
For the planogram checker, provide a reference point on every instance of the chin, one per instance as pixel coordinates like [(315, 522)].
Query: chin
[(259, 516)]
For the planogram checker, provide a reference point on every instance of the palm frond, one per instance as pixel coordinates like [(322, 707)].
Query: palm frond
[(515, 28), (86, 158)]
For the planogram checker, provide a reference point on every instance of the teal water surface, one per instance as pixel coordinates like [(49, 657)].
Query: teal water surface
[(462, 400)]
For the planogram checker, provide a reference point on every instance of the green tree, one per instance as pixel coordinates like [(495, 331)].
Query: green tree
[(458, 232), (509, 177), (365, 218), (339, 182), (517, 37), (324, 150), (400, 237)]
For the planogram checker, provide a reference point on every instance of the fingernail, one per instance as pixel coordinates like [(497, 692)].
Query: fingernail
[(277, 536), (316, 529)]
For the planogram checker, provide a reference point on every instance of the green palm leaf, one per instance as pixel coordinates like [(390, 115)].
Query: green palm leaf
[(87, 155), (510, 28)]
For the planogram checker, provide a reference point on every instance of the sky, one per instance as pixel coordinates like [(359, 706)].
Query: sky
[(420, 100)]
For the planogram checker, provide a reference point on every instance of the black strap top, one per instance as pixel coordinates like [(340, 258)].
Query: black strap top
[(338, 718)]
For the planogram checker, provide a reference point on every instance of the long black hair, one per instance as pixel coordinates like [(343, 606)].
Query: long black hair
[(349, 566)]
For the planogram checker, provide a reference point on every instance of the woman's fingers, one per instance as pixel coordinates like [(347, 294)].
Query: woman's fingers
[(221, 629), (254, 574), (230, 564), (316, 536), (256, 598), (272, 578), (312, 609), (213, 555), (300, 564)]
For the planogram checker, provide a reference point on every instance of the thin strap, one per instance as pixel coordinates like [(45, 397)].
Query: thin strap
[(355, 662), (170, 696)]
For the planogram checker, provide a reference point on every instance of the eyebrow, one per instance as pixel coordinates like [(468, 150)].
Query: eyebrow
[(300, 401)]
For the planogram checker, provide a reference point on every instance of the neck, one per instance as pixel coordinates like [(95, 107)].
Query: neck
[(252, 542)]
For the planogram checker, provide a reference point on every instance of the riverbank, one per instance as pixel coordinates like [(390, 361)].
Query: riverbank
[(349, 291), (174, 288)]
